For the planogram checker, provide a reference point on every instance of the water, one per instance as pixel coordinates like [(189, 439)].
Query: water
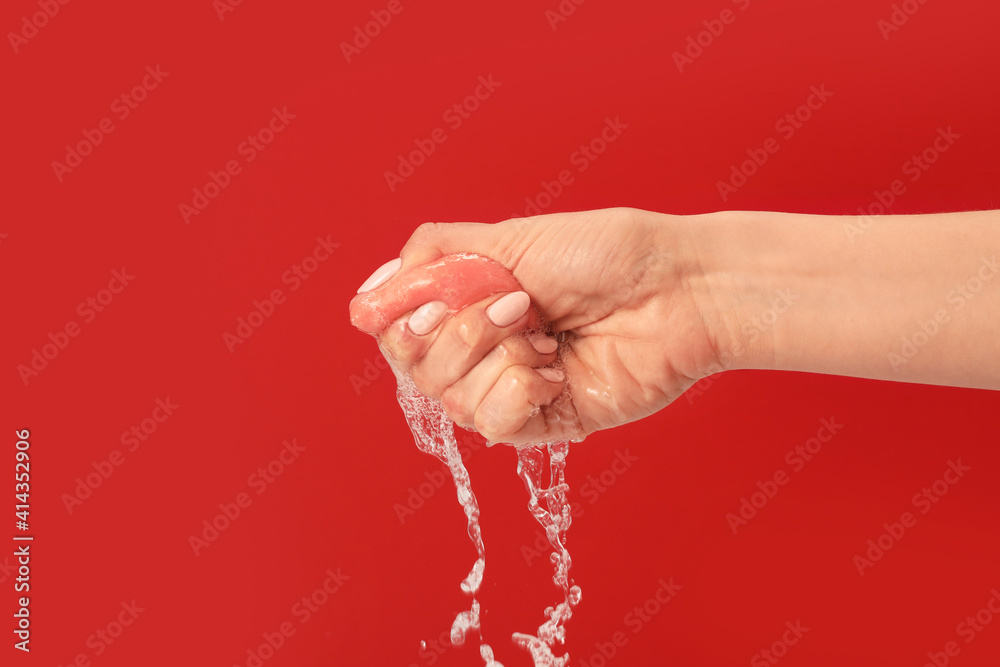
[(434, 434), (555, 517)]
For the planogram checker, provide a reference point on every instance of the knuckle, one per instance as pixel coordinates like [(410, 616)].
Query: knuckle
[(426, 380), (489, 424), (405, 348), (518, 384), (424, 232), (453, 400), (469, 333)]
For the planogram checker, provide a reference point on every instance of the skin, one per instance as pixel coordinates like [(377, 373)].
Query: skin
[(651, 303)]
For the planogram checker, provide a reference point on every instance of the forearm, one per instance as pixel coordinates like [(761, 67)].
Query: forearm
[(906, 298)]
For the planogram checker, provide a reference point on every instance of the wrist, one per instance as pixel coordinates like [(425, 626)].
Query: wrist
[(742, 283)]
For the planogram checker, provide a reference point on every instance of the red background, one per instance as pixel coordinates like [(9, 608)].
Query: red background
[(323, 175)]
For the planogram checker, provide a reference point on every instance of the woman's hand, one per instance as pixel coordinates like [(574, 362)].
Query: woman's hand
[(615, 281)]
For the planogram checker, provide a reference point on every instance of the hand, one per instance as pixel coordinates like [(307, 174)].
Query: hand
[(615, 280)]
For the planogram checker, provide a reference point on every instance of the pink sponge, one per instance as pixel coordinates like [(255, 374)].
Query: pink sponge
[(458, 280)]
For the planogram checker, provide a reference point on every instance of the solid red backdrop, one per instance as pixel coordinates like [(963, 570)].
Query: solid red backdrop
[(217, 155)]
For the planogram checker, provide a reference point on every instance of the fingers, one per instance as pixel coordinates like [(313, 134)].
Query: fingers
[(438, 348), (462, 398), (512, 410), (456, 280)]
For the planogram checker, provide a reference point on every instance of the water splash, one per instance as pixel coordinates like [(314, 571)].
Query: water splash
[(555, 517), (434, 433)]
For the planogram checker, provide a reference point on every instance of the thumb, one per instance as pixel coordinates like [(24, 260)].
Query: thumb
[(432, 240)]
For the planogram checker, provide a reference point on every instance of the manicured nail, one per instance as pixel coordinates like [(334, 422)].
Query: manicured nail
[(543, 344), (426, 317), (552, 374), (382, 274), (509, 309)]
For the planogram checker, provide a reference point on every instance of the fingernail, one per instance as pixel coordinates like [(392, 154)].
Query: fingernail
[(552, 374), (543, 344), (426, 317), (508, 309), (382, 274)]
